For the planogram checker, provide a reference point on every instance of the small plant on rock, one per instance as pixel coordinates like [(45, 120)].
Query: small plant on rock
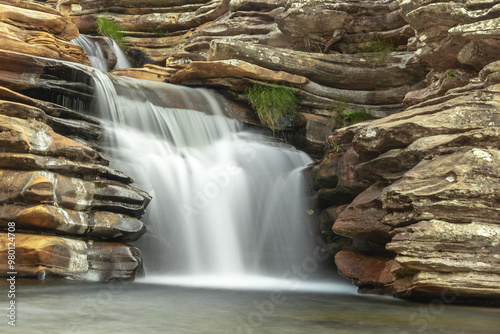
[(271, 103), (109, 28), (381, 49)]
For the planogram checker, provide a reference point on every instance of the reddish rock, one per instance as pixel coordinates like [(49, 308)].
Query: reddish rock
[(363, 218), (371, 271)]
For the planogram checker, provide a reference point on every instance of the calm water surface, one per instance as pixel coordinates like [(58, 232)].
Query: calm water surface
[(154, 308)]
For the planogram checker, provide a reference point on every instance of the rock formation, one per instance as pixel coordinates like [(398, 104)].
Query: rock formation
[(426, 179), (68, 210), (230, 45)]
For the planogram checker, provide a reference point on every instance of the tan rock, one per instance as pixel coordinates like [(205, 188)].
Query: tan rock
[(455, 257), (462, 187), (57, 220), (42, 257), (44, 33), (22, 136), (224, 70), (71, 193), (88, 171)]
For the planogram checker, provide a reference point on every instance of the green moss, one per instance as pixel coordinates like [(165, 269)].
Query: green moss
[(107, 27), (271, 103)]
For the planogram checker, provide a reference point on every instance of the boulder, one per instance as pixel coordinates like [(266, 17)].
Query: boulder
[(363, 218), (367, 272), (42, 257)]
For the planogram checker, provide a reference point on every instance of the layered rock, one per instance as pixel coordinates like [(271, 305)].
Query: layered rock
[(69, 210), (198, 43), (430, 176), (34, 29)]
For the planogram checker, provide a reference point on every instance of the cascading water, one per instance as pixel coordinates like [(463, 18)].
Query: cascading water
[(228, 205), (96, 54)]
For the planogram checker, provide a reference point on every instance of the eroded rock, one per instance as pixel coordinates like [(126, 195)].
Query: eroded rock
[(43, 257)]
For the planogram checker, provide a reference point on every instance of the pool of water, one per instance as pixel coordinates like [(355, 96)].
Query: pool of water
[(146, 307)]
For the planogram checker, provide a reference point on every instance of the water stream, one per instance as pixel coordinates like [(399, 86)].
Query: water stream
[(229, 206)]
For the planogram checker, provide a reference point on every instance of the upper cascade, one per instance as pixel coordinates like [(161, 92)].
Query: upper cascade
[(104, 54)]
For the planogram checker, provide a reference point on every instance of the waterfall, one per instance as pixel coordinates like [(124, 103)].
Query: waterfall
[(97, 56), (225, 201), (228, 204)]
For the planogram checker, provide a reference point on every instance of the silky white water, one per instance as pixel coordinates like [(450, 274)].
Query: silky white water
[(226, 202), (96, 54)]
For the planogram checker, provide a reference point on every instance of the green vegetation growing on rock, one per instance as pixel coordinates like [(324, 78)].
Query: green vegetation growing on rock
[(341, 120), (160, 32), (272, 103), (109, 28), (380, 48)]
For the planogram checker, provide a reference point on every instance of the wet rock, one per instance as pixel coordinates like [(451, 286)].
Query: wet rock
[(22, 136), (57, 220), (71, 193), (42, 257)]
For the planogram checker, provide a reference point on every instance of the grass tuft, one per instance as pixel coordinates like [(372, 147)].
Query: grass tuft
[(272, 103), (380, 48), (107, 27)]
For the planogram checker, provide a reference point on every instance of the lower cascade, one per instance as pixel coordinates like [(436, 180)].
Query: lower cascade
[(228, 204)]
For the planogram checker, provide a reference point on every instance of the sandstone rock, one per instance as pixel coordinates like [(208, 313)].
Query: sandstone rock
[(22, 136), (393, 164), (39, 31), (455, 115), (456, 257), (71, 193), (311, 24), (223, 71), (53, 219), (461, 187), (88, 171), (450, 34), (42, 257), (363, 218), (366, 271), (439, 83), (148, 72), (334, 70)]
